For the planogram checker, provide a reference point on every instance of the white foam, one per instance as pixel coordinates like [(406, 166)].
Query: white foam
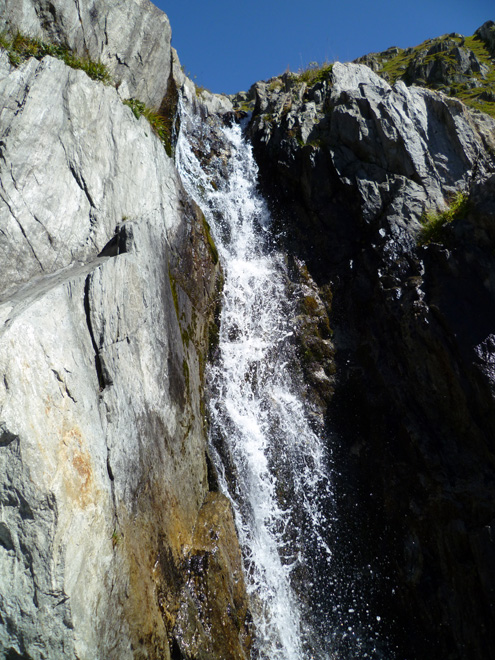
[(255, 407)]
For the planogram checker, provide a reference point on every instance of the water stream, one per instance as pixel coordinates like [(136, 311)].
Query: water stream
[(272, 462)]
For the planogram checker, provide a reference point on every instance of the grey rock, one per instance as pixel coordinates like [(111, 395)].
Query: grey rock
[(482, 216), (131, 38), (203, 102), (441, 70), (67, 204), (467, 60), (215, 104), (379, 139), (487, 34), (413, 132), (106, 269)]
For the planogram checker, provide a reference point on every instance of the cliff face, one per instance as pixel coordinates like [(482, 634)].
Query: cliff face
[(114, 542), (352, 166), (132, 39), (111, 543)]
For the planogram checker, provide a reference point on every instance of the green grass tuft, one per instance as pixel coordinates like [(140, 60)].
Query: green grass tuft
[(21, 47), (162, 126), (433, 224), (315, 73), (200, 89)]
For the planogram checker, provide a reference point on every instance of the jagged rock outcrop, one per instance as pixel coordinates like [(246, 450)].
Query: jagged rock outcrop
[(459, 66), (486, 33), (113, 543), (351, 165)]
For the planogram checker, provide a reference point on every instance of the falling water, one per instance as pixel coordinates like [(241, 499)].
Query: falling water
[(271, 461)]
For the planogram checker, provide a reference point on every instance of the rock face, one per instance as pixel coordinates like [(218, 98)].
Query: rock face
[(131, 38), (109, 284), (114, 542), (350, 165)]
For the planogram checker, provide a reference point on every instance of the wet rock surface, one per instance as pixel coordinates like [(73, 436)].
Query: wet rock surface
[(214, 595), (351, 165)]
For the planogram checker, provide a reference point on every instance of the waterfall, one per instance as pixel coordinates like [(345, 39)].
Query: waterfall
[(272, 462)]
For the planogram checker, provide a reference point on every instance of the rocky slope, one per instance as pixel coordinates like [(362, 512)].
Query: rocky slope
[(113, 540), (358, 172), (460, 66)]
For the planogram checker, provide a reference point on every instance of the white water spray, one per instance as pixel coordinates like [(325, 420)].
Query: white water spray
[(272, 464)]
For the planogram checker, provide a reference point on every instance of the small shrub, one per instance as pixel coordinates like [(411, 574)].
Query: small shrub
[(116, 538), (433, 224), (200, 89), (4, 41), (275, 85), (95, 70)]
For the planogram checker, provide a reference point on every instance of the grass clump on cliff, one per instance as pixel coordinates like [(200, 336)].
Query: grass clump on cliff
[(433, 224), (161, 125), (315, 73), (21, 47)]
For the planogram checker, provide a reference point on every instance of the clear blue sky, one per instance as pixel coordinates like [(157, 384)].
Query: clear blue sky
[(230, 45)]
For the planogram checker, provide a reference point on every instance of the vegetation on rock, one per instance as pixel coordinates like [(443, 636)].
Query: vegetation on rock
[(21, 47), (161, 125), (456, 65), (315, 73), (433, 224)]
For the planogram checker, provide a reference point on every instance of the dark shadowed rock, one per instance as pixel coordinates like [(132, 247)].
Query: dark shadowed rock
[(487, 34), (351, 164)]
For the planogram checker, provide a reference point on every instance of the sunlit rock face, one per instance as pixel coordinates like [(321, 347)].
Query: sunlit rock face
[(131, 38), (351, 165), (108, 286)]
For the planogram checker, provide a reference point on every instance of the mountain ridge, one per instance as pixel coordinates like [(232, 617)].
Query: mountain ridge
[(458, 66)]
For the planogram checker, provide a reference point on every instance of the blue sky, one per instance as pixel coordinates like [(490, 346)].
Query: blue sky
[(227, 46)]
